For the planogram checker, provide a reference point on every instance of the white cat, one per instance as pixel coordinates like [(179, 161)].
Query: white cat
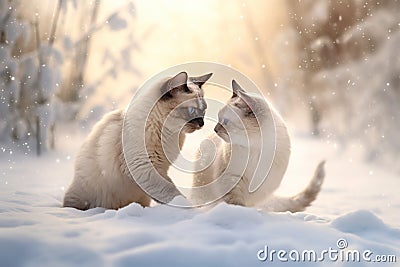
[(146, 146), (246, 152)]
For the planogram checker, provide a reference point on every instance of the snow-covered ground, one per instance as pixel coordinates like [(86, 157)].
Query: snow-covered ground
[(358, 208)]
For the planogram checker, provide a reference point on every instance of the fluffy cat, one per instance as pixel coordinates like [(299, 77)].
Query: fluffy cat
[(244, 148), (154, 126)]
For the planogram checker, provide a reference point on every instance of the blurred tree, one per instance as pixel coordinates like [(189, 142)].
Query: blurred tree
[(348, 56), (71, 89), (332, 33), (28, 80), (77, 44), (9, 33), (42, 75)]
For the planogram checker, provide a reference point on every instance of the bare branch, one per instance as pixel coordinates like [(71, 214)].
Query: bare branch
[(55, 22)]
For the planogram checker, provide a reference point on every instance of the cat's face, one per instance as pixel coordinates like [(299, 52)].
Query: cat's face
[(183, 99), (239, 120)]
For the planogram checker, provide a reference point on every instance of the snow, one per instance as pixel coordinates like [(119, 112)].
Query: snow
[(354, 205)]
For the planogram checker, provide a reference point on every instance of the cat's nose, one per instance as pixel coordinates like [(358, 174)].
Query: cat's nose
[(200, 121), (218, 127)]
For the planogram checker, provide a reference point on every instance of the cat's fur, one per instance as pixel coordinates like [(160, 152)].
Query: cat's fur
[(246, 127), (156, 116)]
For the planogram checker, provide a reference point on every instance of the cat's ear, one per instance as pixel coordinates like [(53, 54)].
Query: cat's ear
[(173, 85), (199, 81), (245, 101), (237, 90)]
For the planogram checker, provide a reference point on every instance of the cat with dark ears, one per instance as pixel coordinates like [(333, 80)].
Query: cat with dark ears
[(248, 125), (126, 156)]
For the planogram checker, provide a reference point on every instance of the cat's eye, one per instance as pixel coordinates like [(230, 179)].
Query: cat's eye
[(191, 110), (225, 121)]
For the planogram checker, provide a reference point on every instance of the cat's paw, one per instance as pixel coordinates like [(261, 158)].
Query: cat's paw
[(234, 200)]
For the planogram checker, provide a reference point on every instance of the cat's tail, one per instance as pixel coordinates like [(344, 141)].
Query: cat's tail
[(302, 200)]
